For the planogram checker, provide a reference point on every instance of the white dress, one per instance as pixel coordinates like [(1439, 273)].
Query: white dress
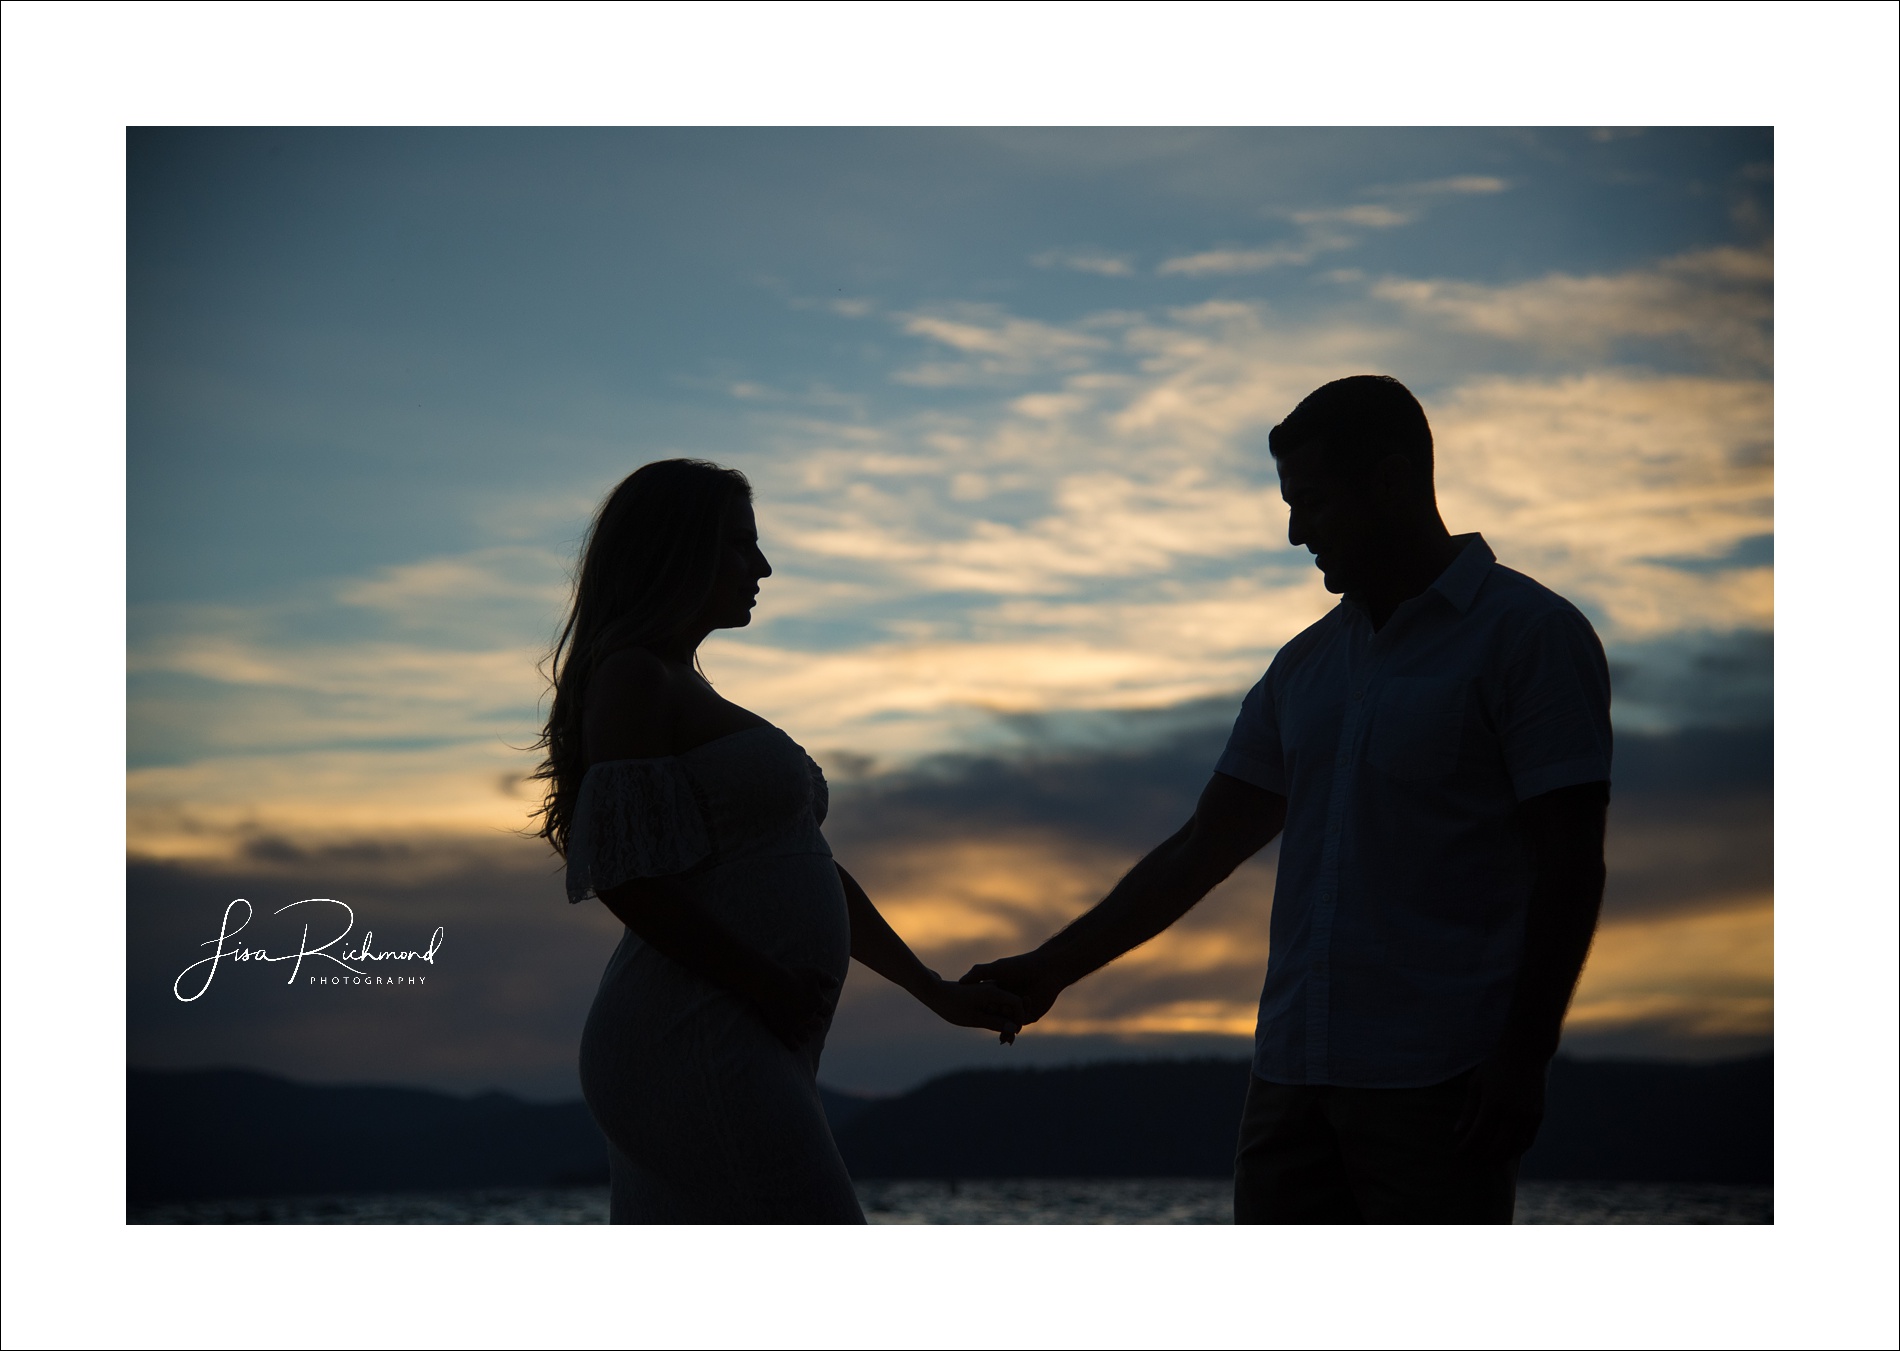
[(709, 1118)]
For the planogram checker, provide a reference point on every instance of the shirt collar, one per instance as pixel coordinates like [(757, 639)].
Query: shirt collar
[(1459, 582)]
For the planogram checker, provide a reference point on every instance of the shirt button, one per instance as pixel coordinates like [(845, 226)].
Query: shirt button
[(1357, 695)]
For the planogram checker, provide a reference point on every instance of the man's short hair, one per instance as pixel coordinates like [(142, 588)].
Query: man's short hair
[(1359, 421)]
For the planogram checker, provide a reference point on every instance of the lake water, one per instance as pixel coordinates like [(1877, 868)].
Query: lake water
[(985, 1201)]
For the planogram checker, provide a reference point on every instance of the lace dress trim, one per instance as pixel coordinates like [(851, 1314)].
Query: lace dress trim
[(633, 818)]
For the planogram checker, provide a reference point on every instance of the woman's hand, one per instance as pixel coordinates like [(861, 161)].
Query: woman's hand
[(1029, 976), (875, 943), (795, 1003), (976, 1005)]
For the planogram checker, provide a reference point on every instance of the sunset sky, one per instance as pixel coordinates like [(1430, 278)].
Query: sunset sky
[(1004, 398)]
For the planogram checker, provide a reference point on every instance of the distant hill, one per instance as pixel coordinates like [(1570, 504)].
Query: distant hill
[(1645, 1121), (196, 1135), (1612, 1121), (203, 1134)]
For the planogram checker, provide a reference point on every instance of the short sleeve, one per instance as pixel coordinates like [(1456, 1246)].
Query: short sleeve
[(633, 818), (820, 792), (1555, 727), (1253, 753)]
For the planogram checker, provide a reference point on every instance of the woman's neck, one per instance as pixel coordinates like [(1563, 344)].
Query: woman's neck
[(681, 651)]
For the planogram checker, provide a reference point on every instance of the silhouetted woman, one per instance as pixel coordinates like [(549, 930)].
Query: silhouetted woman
[(697, 823)]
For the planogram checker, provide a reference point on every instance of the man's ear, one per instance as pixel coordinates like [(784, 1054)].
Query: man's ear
[(1394, 482)]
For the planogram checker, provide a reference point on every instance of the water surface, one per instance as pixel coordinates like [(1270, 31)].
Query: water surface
[(982, 1201)]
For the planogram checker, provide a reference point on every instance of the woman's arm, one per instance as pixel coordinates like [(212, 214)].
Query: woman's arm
[(665, 913), (877, 945)]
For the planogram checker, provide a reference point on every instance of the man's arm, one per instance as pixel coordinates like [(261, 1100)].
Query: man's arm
[(1565, 831), (1232, 822)]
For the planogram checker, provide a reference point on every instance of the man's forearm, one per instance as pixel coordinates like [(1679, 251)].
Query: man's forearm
[(1561, 921), (1232, 821), (1565, 829), (1156, 892)]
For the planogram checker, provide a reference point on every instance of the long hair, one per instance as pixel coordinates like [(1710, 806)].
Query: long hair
[(647, 566)]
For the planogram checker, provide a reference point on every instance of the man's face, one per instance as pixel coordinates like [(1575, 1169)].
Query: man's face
[(1334, 517)]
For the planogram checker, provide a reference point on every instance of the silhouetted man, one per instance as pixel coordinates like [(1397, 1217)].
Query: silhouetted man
[(1437, 749)]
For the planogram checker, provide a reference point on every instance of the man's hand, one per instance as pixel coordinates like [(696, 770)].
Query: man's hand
[(1232, 822), (1027, 976), (969, 1003), (1503, 1109)]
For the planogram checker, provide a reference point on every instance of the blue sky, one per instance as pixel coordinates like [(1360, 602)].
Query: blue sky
[(1004, 397), (461, 317)]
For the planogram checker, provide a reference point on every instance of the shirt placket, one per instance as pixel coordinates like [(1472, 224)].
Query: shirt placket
[(1319, 975)]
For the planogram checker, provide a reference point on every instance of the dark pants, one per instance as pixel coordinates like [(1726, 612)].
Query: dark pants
[(1325, 1155)]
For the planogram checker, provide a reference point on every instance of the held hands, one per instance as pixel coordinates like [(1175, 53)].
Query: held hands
[(795, 1004), (975, 1005), (1028, 976)]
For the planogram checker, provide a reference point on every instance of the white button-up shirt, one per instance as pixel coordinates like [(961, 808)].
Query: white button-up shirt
[(1398, 914)]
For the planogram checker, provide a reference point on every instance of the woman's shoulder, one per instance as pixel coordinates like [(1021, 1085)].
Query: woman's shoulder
[(631, 700)]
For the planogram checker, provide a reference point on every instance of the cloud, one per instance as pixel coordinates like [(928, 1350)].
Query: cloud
[(1371, 215), (282, 696), (1098, 529), (969, 857), (910, 697), (223, 808), (1327, 229), (1695, 679), (989, 855), (417, 593), (1087, 260), (1321, 232), (1699, 977), (1459, 185), (1025, 569), (1216, 262), (1585, 481), (1099, 525), (993, 345), (1717, 300), (1603, 484)]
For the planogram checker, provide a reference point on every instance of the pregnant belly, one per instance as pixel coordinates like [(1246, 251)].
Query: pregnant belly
[(791, 906)]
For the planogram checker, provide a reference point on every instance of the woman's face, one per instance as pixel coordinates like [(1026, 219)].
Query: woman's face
[(742, 567)]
